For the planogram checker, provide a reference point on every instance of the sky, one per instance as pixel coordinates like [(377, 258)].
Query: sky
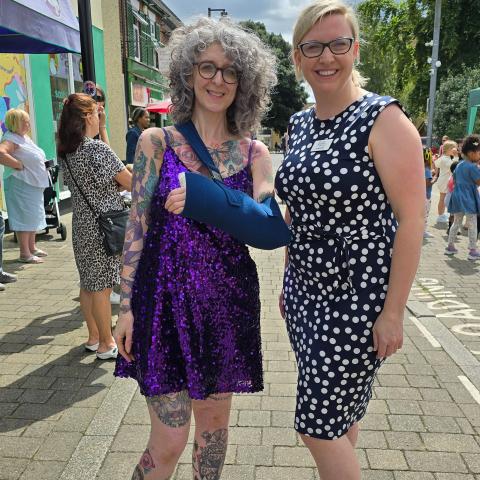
[(277, 15)]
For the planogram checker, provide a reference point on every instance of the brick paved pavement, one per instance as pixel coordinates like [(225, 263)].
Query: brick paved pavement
[(453, 283), (63, 416)]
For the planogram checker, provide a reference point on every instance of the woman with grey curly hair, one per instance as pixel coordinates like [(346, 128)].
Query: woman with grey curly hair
[(189, 323)]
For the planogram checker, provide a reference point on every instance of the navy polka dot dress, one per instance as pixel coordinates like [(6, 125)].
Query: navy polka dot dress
[(339, 262)]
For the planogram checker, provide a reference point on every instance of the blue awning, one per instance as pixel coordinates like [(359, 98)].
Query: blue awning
[(38, 26)]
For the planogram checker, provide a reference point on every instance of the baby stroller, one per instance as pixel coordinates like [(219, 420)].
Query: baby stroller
[(50, 201)]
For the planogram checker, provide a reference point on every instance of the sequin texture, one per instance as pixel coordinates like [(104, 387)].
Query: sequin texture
[(195, 301)]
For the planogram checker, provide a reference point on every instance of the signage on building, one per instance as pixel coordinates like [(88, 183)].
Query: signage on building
[(163, 55), (139, 95)]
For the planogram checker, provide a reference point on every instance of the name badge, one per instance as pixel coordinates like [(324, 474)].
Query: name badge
[(322, 145)]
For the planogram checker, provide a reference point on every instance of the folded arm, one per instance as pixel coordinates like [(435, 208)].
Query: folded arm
[(6, 155)]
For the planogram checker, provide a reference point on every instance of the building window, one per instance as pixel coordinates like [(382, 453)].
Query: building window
[(136, 42)]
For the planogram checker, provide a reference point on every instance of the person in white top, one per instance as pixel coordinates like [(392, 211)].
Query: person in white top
[(443, 174), (25, 178)]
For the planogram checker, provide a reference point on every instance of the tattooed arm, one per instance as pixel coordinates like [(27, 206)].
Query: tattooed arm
[(262, 172), (146, 168)]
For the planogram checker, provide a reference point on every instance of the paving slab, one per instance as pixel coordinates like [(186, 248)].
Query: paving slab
[(64, 415)]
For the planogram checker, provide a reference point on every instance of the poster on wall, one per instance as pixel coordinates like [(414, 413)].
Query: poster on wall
[(13, 92)]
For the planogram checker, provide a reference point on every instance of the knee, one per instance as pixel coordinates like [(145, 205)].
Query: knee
[(168, 450), (212, 415)]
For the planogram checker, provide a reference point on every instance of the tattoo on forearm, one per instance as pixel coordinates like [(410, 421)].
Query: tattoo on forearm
[(145, 178), (208, 460), (174, 410)]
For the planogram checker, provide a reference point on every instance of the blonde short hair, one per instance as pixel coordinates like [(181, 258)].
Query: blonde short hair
[(14, 119), (316, 12), (448, 145)]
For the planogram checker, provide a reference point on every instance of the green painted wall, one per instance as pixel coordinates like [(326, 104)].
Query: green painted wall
[(42, 100), (42, 95), (99, 58)]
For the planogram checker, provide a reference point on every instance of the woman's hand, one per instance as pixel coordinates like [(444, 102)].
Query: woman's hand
[(123, 334), (102, 117), (19, 165), (281, 304), (387, 334), (176, 200)]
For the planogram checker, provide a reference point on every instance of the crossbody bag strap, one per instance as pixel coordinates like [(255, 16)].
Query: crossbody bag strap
[(78, 187), (190, 133)]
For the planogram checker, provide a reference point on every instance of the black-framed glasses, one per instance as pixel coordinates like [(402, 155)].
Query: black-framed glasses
[(208, 70), (339, 46)]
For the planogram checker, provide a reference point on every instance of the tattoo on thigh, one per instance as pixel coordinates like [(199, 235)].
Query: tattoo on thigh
[(208, 461), (174, 410)]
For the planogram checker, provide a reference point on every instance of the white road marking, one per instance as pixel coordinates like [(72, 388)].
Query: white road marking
[(433, 342), (472, 389)]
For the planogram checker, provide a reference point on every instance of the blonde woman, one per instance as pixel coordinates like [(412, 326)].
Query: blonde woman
[(357, 233), (443, 174), (25, 178)]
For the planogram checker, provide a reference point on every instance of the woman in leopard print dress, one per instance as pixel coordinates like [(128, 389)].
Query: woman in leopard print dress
[(97, 172)]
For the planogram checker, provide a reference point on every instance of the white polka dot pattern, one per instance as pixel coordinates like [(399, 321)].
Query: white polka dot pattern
[(339, 260)]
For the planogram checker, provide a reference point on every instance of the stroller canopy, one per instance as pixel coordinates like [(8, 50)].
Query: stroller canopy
[(38, 26)]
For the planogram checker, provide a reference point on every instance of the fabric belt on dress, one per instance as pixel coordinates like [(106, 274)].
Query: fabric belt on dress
[(342, 243)]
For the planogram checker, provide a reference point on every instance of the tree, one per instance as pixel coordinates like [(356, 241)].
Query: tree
[(451, 102), (289, 95), (395, 55)]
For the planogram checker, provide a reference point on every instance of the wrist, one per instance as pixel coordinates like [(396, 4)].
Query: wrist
[(102, 126)]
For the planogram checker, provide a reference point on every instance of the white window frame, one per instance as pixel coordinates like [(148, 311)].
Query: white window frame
[(136, 43)]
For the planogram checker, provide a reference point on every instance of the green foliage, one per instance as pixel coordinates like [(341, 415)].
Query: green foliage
[(395, 56), (289, 95), (451, 102)]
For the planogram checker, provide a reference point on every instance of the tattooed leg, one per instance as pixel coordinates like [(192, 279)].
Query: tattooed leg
[(211, 436), (173, 410), (170, 424), (209, 456)]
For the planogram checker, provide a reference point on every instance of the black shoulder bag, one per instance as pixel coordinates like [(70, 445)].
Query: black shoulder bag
[(112, 224)]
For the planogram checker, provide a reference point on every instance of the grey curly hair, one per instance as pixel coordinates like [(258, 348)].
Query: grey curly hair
[(254, 61)]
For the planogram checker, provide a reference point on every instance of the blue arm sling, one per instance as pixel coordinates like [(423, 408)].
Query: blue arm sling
[(210, 201)]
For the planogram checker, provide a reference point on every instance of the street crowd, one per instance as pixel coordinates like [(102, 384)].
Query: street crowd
[(189, 324)]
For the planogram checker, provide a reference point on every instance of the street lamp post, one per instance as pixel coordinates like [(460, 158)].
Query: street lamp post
[(223, 12), (86, 39), (435, 63)]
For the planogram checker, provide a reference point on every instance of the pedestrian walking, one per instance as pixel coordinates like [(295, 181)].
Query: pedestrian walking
[(141, 121), (25, 178), (189, 325), (427, 162), (349, 267), (93, 174), (443, 174), (465, 199)]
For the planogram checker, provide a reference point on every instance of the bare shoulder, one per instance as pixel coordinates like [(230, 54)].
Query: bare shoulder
[(260, 149), (394, 131)]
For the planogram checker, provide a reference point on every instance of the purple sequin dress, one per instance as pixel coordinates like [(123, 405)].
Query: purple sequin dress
[(195, 301)]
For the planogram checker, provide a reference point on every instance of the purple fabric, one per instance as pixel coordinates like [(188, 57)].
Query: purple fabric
[(196, 303)]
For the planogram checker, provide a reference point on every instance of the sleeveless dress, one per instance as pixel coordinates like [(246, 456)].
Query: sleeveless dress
[(339, 262), (195, 302)]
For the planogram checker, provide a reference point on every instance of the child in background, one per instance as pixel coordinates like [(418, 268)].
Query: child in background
[(427, 162), (450, 186), (442, 164), (465, 199)]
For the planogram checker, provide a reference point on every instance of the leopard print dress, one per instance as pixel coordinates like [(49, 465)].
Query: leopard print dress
[(94, 165)]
